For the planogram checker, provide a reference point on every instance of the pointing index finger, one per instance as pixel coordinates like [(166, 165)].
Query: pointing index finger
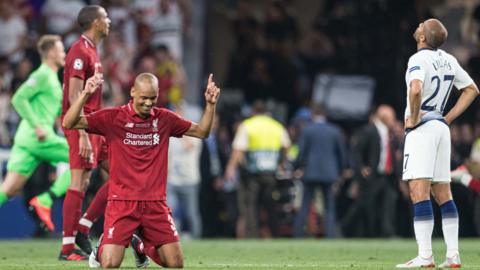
[(97, 69), (210, 79)]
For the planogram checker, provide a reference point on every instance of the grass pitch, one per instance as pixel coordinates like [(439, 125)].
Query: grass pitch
[(254, 254)]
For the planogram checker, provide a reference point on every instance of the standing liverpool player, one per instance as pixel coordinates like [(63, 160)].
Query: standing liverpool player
[(86, 151), (138, 134)]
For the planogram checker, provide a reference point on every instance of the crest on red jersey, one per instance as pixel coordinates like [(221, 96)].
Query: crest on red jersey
[(78, 64), (155, 125)]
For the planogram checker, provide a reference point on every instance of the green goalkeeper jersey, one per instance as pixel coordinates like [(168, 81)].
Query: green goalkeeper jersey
[(38, 101)]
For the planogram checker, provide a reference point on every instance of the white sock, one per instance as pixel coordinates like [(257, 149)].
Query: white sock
[(423, 233), (450, 234)]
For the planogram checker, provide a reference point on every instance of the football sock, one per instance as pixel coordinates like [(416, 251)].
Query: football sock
[(450, 227), (423, 227), (45, 199), (58, 189), (3, 198), (95, 210), (60, 186), (99, 253), (152, 252), (72, 209)]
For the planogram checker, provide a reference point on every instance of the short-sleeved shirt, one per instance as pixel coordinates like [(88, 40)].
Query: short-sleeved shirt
[(138, 149), (81, 62), (262, 138), (240, 141), (438, 71)]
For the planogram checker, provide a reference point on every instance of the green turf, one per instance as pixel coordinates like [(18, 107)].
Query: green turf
[(254, 254)]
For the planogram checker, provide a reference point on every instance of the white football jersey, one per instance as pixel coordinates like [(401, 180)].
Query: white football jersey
[(439, 72)]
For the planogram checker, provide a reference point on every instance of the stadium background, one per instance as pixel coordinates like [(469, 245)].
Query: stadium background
[(273, 50)]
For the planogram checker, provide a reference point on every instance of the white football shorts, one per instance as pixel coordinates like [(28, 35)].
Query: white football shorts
[(426, 153)]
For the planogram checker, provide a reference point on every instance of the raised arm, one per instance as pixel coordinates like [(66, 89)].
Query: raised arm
[(202, 129), (73, 118), (466, 98)]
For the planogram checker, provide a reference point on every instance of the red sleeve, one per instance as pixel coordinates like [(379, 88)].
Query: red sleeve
[(77, 63), (178, 124), (475, 185), (101, 121)]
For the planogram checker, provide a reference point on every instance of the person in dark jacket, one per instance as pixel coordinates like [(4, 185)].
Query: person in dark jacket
[(377, 175), (321, 158)]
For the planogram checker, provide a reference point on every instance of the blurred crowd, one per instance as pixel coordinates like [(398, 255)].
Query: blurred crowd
[(274, 56), (147, 36)]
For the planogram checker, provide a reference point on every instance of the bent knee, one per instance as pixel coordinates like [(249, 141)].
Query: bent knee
[(174, 262), (110, 262), (174, 265)]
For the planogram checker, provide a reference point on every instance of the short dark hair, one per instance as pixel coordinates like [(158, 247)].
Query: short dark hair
[(319, 109), (46, 43), (259, 107), (162, 47), (87, 15)]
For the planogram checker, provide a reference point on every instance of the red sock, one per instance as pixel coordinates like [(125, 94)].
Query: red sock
[(151, 251), (99, 253), (72, 209), (95, 210)]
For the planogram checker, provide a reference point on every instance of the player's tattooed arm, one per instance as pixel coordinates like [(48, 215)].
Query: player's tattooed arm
[(73, 118)]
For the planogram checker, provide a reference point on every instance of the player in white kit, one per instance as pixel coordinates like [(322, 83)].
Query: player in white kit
[(430, 77)]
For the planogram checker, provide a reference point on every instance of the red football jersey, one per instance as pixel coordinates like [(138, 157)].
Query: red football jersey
[(138, 149), (81, 62)]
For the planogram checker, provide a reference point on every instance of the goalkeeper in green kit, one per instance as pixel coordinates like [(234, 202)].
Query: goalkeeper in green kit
[(38, 101)]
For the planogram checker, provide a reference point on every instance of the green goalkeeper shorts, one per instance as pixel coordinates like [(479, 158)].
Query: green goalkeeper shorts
[(25, 158)]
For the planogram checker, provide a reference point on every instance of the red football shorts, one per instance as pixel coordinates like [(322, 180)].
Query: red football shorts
[(152, 218), (99, 150)]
